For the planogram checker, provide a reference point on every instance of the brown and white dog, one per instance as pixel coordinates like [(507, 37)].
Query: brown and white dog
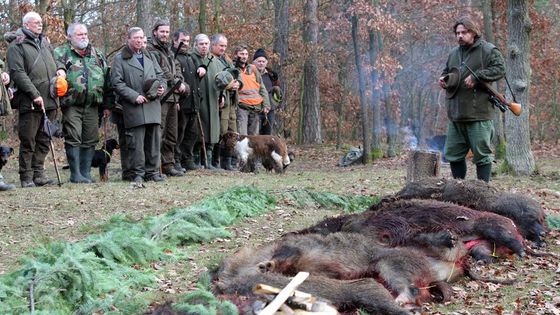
[(271, 151)]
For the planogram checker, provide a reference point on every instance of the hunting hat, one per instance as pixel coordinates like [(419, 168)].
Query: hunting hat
[(150, 88), (260, 53), (58, 86), (223, 79), (452, 82)]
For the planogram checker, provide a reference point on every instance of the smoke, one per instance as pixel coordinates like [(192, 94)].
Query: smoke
[(409, 139)]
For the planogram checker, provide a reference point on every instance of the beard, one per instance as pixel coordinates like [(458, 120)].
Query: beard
[(80, 43)]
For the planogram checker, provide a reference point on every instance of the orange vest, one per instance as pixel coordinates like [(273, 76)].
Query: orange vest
[(249, 94)]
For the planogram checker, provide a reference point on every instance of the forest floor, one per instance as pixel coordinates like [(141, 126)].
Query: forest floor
[(72, 212)]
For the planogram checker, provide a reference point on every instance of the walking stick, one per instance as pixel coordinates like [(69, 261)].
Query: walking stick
[(203, 142), (46, 123), (105, 176)]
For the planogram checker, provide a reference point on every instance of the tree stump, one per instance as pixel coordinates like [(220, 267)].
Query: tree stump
[(423, 164)]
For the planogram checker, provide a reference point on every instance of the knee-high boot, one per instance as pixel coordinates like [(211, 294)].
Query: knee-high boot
[(458, 169)]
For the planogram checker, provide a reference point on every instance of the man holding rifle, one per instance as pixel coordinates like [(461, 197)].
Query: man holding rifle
[(160, 47), (469, 110)]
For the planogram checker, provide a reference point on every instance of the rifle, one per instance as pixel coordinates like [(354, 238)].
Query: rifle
[(171, 91), (496, 98)]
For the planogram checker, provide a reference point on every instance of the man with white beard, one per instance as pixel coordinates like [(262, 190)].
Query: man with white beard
[(88, 83)]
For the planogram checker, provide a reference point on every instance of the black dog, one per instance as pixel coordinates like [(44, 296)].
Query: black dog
[(5, 153), (102, 157)]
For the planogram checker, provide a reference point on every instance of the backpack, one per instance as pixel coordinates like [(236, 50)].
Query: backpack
[(353, 156)]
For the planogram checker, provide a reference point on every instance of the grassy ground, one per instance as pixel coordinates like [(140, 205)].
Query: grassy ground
[(72, 212)]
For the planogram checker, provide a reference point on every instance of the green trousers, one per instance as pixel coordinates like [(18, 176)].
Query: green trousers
[(476, 136)]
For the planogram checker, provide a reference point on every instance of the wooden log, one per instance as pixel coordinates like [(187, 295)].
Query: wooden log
[(271, 308), (423, 164)]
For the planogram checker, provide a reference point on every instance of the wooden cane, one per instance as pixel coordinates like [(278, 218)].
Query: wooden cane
[(45, 121), (203, 142), (105, 176)]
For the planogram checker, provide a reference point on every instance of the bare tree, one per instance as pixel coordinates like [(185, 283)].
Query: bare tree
[(202, 14), (362, 88), (518, 154), (311, 102), (280, 48), (375, 46), (143, 16)]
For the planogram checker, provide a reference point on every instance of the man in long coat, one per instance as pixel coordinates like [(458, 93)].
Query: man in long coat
[(208, 66), (32, 66), (138, 83)]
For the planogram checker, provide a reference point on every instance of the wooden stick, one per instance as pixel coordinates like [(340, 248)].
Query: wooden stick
[(285, 294), (266, 289)]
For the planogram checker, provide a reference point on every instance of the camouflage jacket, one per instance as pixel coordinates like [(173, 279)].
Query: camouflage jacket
[(87, 75)]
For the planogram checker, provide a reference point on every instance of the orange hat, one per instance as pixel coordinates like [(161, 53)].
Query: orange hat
[(58, 86)]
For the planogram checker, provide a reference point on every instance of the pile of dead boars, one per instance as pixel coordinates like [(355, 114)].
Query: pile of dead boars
[(401, 252)]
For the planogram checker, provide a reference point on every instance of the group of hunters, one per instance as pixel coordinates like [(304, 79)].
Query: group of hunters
[(169, 101)]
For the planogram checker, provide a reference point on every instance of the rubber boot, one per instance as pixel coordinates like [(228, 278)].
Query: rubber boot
[(227, 164), (483, 172), (209, 159), (73, 157), (216, 156), (190, 165), (86, 156), (458, 169)]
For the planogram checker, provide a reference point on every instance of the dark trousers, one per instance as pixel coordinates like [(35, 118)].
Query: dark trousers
[(143, 144), (266, 122), (187, 136), (80, 126), (117, 119), (169, 117), (34, 144)]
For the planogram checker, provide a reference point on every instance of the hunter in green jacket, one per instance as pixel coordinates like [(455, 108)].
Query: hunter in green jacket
[(31, 66), (87, 75), (469, 110)]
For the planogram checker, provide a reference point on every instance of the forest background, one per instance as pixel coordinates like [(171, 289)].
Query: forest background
[(353, 71)]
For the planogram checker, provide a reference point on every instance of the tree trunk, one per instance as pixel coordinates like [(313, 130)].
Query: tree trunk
[(344, 79), (311, 103), (280, 48), (69, 7), (422, 165), (390, 122), (375, 46), (488, 14), (518, 154), (217, 26), (362, 88), (143, 16), (202, 17)]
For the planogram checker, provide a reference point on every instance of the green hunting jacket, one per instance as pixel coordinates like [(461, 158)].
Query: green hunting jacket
[(209, 93), (86, 75), (488, 64), (190, 103), (31, 66), (170, 67), (127, 78)]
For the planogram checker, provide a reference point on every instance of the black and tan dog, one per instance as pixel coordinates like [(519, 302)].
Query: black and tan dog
[(5, 153), (271, 151), (102, 157)]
